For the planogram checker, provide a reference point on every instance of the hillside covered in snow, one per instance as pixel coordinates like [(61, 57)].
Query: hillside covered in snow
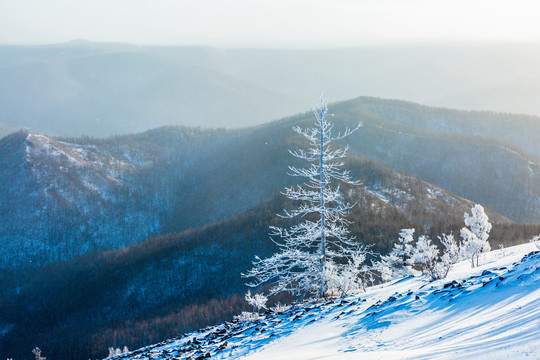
[(489, 312)]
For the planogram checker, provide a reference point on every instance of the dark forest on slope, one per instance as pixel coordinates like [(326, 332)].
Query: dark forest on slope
[(174, 283)]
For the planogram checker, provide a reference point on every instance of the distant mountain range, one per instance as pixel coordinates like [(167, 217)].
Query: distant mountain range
[(101, 89), (63, 197), (136, 237), (103, 236)]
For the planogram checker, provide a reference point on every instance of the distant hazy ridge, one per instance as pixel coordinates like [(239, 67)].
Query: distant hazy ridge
[(84, 88)]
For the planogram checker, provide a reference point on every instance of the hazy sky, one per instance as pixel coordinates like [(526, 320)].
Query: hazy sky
[(268, 23)]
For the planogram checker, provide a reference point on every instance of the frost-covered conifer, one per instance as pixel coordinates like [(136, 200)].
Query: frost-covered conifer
[(475, 239), (320, 244)]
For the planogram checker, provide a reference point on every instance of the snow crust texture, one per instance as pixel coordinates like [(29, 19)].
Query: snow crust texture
[(490, 312)]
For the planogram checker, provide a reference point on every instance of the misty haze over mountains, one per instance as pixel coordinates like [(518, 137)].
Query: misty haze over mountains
[(101, 89), (72, 196), (145, 178), (145, 154)]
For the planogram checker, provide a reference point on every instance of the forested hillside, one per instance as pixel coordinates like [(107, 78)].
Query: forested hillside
[(135, 238), (493, 159), (178, 282), (67, 196)]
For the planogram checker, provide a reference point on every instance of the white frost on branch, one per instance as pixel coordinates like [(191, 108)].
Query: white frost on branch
[(258, 301), (451, 254), (398, 263), (475, 239), (317, 252), (425, 256)]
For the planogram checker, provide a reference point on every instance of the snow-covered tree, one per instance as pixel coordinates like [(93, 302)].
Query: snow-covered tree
[(475, 239), (352, 276), (451, 254), (321, 240), (258, 301), (451, 248), (426, 256), (398, 263), (423, 255)]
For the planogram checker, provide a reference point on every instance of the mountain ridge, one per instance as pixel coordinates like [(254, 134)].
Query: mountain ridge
[(104, 81), (108, 193), (133, 186)]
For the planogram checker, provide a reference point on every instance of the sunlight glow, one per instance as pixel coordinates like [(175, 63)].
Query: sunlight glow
[(268, 23)]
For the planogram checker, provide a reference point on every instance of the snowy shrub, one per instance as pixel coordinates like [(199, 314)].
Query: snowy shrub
[(451, 254), (247, 316), (280, 308), (398, 263), (349, 277), (503, 250), (451, 248), (37, 354), (118, 351), (425, 256), (536, 240), (475, 239), (258, 301)]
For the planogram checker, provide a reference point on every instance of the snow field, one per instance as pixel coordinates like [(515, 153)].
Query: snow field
[(489, 312)]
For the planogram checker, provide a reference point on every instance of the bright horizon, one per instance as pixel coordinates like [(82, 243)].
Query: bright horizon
[(268, 23)]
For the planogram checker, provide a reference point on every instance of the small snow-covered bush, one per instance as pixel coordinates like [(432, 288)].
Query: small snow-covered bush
[(280, 308), (117, 351), (351, 276), (426, 255), (247, 316), (451, 254), (398, 263), (503, 250), (37, 354), (258, 301), (536, 240)]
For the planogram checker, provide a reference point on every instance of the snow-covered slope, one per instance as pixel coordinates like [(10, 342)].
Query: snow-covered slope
[(490, 312)]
